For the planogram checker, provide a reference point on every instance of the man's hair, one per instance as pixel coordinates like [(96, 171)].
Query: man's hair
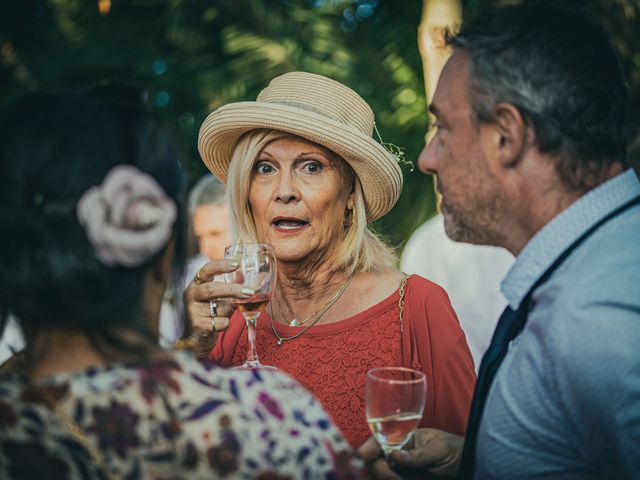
[(207, 190), (558, 67)]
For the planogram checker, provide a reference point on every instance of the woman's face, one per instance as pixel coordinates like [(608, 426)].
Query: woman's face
[(298, 195)]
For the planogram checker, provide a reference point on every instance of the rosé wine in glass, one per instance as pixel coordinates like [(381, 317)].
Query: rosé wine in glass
[(256, 270)]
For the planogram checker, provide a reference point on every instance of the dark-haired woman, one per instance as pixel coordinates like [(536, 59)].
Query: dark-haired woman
[(90, 189)]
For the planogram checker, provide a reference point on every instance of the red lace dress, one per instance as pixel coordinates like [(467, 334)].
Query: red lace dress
[(331, 360)]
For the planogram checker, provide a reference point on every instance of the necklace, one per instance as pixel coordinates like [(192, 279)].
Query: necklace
[(298, 323), (318, 315)]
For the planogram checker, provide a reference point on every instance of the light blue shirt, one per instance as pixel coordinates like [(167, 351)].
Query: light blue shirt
[(565, 403)]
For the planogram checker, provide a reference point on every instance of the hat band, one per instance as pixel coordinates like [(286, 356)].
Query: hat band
[(309, 108)]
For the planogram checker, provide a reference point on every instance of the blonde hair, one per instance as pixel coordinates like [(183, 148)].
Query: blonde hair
[(361, 251)]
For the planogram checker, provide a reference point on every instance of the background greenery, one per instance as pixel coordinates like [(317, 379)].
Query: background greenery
[(195, 55)]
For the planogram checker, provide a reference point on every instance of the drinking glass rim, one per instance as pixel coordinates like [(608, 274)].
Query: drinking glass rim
[(264, 247), (371, 373)]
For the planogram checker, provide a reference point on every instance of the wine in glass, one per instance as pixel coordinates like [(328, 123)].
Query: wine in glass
[(394, 402), (256, 270)]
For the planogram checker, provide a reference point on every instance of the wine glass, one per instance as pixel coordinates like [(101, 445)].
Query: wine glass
[(394, 402), (256, 270)]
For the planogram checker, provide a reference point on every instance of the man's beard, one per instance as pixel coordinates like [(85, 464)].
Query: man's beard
[(481, 231)]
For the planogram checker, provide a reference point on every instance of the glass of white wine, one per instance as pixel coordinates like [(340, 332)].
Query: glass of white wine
[(256, 270), (394, 403)]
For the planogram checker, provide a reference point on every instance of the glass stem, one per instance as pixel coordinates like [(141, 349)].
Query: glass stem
[(250, 319)]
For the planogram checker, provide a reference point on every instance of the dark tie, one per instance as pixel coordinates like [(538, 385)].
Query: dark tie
[(509, 325)]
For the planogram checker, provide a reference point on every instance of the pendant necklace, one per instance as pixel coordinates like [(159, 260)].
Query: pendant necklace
[(298, 323), (318, 315)]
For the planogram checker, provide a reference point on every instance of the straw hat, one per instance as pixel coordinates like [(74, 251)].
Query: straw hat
[(320, 110)]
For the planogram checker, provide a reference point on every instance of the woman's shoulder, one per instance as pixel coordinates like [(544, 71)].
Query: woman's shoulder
[(390, 280), (423, 285), (271, 404), (428, 300), (200, 408), (380, 287), (236, 382)]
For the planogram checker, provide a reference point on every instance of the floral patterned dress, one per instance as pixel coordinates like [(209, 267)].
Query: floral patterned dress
[(171, 419)]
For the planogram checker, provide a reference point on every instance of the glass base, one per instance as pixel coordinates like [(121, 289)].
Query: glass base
[(254, 366)]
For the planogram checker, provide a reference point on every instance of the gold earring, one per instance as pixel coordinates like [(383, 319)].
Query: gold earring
[(348, 218)]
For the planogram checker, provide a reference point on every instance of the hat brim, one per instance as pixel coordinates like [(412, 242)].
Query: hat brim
[(377, 170)]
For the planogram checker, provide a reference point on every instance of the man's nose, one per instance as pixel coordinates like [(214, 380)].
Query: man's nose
[(427, 158)]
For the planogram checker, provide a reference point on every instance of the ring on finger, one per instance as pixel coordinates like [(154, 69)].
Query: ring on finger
[(196, 279), (213, 310)]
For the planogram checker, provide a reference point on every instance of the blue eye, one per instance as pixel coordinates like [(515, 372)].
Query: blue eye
[(263, 168), (312, 167)]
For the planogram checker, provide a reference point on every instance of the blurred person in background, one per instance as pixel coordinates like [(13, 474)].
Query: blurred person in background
[(210, 222), (305, 175), (92, 223), (209, 233)]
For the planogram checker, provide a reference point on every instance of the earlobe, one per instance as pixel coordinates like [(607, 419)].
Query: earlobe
[(351, 201), (512, 133), (349, 215)]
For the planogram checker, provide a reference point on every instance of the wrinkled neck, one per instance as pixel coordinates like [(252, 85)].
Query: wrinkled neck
[(300, 292)]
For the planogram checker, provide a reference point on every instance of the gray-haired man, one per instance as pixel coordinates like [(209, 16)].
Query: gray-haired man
[(529, 154)]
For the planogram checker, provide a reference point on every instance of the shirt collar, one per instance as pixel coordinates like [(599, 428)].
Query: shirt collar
[(564, 229)]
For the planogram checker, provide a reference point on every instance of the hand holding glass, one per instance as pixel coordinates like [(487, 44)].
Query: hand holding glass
[(256, 270), (394, 403)]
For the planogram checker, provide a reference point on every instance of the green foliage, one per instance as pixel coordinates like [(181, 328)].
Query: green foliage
[(196, 55)]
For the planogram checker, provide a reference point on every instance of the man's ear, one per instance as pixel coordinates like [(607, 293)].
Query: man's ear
[(511, 134)]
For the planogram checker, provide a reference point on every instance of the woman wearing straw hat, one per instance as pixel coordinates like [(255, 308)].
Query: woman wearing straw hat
[(305, 175)]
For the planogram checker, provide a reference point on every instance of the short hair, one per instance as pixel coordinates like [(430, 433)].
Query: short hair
[(558, 67), (207, 190), (54, 146), (361, 250)]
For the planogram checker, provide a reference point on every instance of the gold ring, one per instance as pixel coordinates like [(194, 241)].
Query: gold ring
[(197, 280)]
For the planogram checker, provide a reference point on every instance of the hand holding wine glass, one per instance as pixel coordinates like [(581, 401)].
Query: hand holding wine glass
[(256, 270), (431, 452), (395, 399)]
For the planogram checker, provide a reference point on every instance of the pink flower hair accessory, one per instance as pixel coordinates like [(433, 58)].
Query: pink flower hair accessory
[(128, 218)]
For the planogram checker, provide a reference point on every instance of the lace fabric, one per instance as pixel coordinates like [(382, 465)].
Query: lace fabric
[(331, 360)]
